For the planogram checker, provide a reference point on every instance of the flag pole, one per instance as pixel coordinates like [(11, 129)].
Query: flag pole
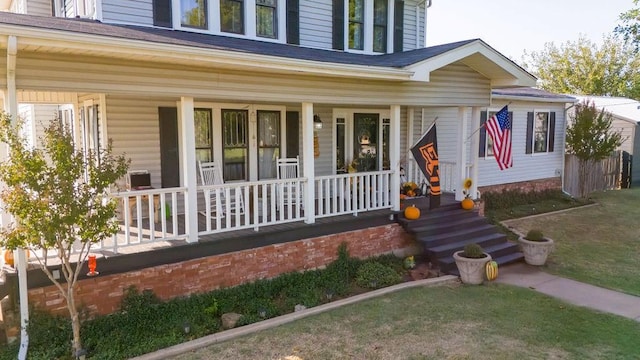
[(429, 128), (481, 126)]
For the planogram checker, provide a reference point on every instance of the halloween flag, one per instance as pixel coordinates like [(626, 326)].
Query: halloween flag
[(425, 152)]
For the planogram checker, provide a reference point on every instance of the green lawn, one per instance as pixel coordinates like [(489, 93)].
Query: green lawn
[(597, 244), (467, 322)]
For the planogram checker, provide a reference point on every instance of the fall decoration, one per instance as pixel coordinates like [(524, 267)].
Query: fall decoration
[(412, 212), (491, 270)]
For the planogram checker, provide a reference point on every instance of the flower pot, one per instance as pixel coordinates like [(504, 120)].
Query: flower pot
[(536, 252), (467, 204), (471, 270)]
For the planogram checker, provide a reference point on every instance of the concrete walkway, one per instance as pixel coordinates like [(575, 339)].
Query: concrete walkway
[(571, 291)]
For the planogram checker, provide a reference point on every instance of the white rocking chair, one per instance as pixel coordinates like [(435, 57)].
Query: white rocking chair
[(211, 174), (289, 168)]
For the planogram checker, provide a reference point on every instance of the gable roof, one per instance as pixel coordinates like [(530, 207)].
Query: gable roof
[(622, 108), (407, 65)]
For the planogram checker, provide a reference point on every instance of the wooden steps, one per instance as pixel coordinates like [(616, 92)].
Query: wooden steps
[(448, 229)]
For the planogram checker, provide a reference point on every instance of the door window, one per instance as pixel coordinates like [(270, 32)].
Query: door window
[(235, 135)]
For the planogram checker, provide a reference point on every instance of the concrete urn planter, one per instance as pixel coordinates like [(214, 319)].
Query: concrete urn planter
[(536, 252), (471, 270)]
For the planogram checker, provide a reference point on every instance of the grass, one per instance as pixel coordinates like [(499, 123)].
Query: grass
[(466, 322), (598, 244)]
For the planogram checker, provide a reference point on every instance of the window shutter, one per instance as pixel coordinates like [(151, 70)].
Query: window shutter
[(293, 22), (162, 13), (398, 27), (338, 24), (552, 130), (169, 151), (529, 148), (483, 135)]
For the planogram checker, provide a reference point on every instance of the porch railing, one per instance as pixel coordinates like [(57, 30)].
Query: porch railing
[(251, 205), (449, 180), (353, 193)]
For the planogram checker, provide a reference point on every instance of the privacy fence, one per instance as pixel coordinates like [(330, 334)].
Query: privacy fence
[(599, 175)]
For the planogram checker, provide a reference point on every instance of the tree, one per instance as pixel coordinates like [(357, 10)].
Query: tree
[(58, 197), (583, 68), (590, 138), (629, 29)]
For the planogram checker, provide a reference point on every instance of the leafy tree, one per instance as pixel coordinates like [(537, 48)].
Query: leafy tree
[(629, 28), (582, 67), (59, 199), (590, 138)]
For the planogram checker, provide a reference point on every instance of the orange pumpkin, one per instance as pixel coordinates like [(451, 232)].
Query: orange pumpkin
[(403, 196), (412, 212), (467, 204), (411, 193), (9, 259)]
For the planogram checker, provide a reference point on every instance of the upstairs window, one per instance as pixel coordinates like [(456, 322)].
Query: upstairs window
[(267, 18), (232, 16), (193, 13), (380, 20), (356, 24)]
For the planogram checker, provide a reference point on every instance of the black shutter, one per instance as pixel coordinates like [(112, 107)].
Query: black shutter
[(529, 148), (552, 130), (169, 158), (293, 134), (162, 13), (398, 26), (483, 135), (293, 22), (338, 24)]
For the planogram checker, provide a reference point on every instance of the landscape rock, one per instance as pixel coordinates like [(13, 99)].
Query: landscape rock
[(299, 308), (230, 320)]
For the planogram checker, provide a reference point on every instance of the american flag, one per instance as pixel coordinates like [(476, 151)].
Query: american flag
[(499, 128)]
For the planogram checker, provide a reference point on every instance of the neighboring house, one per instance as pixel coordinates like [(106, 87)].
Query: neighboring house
[(243, 83), (626, 119)]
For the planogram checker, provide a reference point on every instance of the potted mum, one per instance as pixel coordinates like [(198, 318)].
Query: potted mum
[(471, 263), (535, 247)]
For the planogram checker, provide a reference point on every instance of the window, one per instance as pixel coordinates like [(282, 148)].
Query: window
[(267, 18), (235, 144), (356, 24), (193, 13), (365, 149), (268, 143), (541, 126), (380, 19), (232, 16), (203, 140)]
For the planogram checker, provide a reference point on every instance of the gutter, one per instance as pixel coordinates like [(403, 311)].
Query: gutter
[(139, 49), (532, 98)]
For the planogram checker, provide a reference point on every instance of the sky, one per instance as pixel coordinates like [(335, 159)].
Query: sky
[(515, 26)]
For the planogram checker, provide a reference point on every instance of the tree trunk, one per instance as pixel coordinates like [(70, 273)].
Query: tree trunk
[(75, 321), (582, 178)]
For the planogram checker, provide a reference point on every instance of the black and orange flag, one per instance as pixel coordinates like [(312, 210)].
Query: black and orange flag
[(425, 152)]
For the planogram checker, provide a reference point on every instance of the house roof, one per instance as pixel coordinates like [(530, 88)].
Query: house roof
[(623, 108), (409, 65), (531, 94)]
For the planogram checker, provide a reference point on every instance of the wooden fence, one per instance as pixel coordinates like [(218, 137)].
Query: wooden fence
[(601, 175)]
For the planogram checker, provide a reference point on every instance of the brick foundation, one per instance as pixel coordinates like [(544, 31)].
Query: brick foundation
[(102, 294), (525, 186)]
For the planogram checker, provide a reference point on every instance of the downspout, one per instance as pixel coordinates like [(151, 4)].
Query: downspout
[(427, 5), (21, 263)]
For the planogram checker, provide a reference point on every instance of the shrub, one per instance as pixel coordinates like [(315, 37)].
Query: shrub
[(373, 275), (510, 198), (534, 235), (473, 251)]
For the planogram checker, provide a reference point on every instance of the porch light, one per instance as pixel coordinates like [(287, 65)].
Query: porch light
[(317, 123), (92, 266)]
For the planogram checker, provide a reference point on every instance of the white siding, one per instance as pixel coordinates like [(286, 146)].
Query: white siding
[(410, 31), (39, 7), (626, 128), (316, 22), (525, 166), (128, 11)]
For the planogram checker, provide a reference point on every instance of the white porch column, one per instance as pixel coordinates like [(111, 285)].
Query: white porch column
[(394, 156), (475, 143), (308, 163), (461, 152), (188, 150)]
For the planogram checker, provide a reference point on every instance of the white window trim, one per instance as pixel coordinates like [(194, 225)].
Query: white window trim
[(533, 132), (488, 156), (348, 115), (216, 117), (213, 21), (368, 28)]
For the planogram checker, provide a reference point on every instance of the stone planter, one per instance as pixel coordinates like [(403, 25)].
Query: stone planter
[(536, 252), (471, 270)]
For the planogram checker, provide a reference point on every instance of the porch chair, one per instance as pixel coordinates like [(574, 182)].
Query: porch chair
[(289, 168), (211, 174)]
